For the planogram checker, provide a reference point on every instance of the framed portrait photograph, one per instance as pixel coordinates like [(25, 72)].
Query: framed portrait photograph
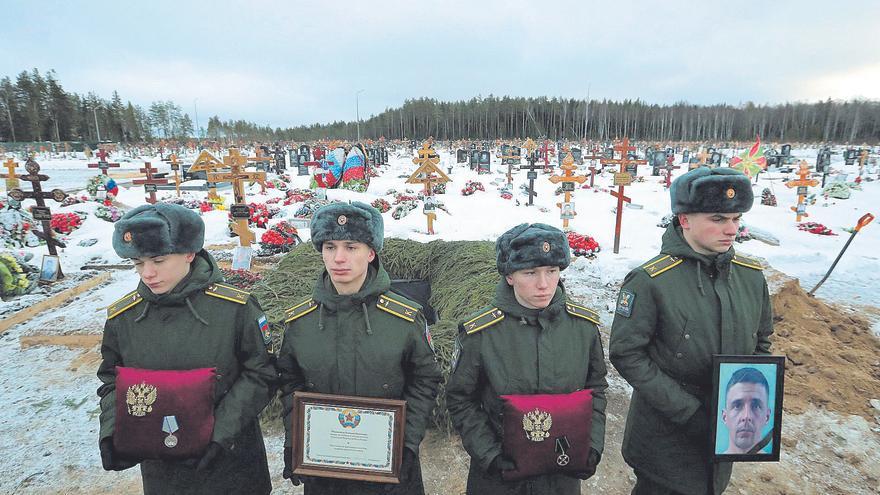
[(746, 418), (49, 268), (347, 437)]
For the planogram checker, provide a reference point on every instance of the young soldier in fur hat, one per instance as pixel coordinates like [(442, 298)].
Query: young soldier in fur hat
[(354, 336), (533, 340), (182, 318), (695, 299)]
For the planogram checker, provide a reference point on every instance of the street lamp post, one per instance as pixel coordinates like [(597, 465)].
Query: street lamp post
[(196, 105), (357, 110), (98, 129)]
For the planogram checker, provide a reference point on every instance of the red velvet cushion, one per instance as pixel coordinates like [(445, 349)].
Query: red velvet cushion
[(532, 425), (145, 397)]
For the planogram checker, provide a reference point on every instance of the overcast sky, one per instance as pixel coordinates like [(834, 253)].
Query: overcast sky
[(287, 63)]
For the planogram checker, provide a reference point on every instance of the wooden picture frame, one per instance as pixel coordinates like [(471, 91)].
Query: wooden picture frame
[(319, 420), (746, 421), (49, 268)]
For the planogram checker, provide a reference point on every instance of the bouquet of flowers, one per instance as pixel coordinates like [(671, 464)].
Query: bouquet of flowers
[(241, 278), (815, 228), (440, 188), (74, 200), (403, 208), (583, 245), (381, 204), (279, 239), (65, 223), (109, 213), (471, 187)]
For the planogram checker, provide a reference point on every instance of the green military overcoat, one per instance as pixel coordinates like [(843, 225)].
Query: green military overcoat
[(374, 343), (673, 313), (509, 349), (201, 323)]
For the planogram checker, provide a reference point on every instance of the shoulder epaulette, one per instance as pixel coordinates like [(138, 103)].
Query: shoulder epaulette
[(127, 301), (483, 320), (388, 303), (300, 309), (747, 262), (228, 293), (582, 312), (663, 263)]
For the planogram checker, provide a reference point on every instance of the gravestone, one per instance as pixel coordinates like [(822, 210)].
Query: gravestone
[(657, 160), (461, 156), (485, 163), (474, 159), (685, 156), (823, 160), (715, 159), (786, 150), (849, 156)]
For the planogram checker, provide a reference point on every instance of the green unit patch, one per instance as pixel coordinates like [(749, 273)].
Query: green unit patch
[(625, 302)]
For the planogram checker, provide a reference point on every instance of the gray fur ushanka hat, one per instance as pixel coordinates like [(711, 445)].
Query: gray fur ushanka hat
[(717, 190), (529, 246), (157, 230), (354, 221)]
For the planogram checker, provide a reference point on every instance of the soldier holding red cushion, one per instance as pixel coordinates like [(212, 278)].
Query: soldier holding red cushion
[(193, 355)]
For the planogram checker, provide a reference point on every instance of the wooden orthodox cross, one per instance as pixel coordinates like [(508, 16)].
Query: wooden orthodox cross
[(175, 167), (802, 184), (150, 182), (206, 162), (102, 164), (11, 178), (568, 180), (670, 166), (594, 155), (428, 174), (509, 159), (40, 212), (237, 175), (546, 150), (621, 180)]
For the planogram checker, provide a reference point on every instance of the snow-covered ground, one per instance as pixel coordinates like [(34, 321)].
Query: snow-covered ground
[(48, 430)]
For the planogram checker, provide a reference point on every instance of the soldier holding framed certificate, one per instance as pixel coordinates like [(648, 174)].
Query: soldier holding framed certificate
[(527, 391), (355, 337)]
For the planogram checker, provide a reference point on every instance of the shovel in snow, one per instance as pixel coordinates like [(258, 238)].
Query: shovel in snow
[(865, 220)]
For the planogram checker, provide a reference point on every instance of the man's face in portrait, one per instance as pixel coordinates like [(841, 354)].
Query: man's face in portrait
[(745, 414)]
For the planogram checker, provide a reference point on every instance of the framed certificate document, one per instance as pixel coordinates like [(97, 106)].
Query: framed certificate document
[(356, 438)]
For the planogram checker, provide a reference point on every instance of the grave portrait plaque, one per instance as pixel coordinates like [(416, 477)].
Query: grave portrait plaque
[(461, 156), (786, 150), (485, 161)]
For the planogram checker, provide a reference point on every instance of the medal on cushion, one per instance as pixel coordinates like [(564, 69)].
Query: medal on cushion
[(562, 447), (169, 426)]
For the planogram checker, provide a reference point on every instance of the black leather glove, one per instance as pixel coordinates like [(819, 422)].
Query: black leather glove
[(697, 427), (209, 458), (288, 470), (500, 464), (110, 460), (592, 463)]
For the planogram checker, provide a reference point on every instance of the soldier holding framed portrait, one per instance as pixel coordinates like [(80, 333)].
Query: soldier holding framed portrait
[(696, 299)]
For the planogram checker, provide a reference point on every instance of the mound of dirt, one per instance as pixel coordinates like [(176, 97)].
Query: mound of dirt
[(832, 357)]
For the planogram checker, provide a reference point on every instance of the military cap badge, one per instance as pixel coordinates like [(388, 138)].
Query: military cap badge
[(126, 237), (731, 192), (546, 247), (342, 220)]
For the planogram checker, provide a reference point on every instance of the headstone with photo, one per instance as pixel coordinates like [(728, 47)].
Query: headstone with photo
[(849, 156), (657, 162), (485, 164)]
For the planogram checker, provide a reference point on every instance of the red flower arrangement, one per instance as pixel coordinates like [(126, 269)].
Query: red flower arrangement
[(381, 205), (471, 187), (65, 223), (815, 228), (280, 238), (583, 245)]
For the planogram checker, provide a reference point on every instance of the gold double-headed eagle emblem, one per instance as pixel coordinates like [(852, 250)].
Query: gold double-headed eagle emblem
[(140, 398), (537, 425)]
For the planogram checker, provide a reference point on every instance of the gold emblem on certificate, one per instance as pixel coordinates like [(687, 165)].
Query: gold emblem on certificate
[(537, 425), (140, 398)]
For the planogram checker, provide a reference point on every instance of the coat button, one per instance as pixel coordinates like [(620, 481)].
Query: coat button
[(687, 336), (311, 385), (385, 386), (678, 355), (755, 335)]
